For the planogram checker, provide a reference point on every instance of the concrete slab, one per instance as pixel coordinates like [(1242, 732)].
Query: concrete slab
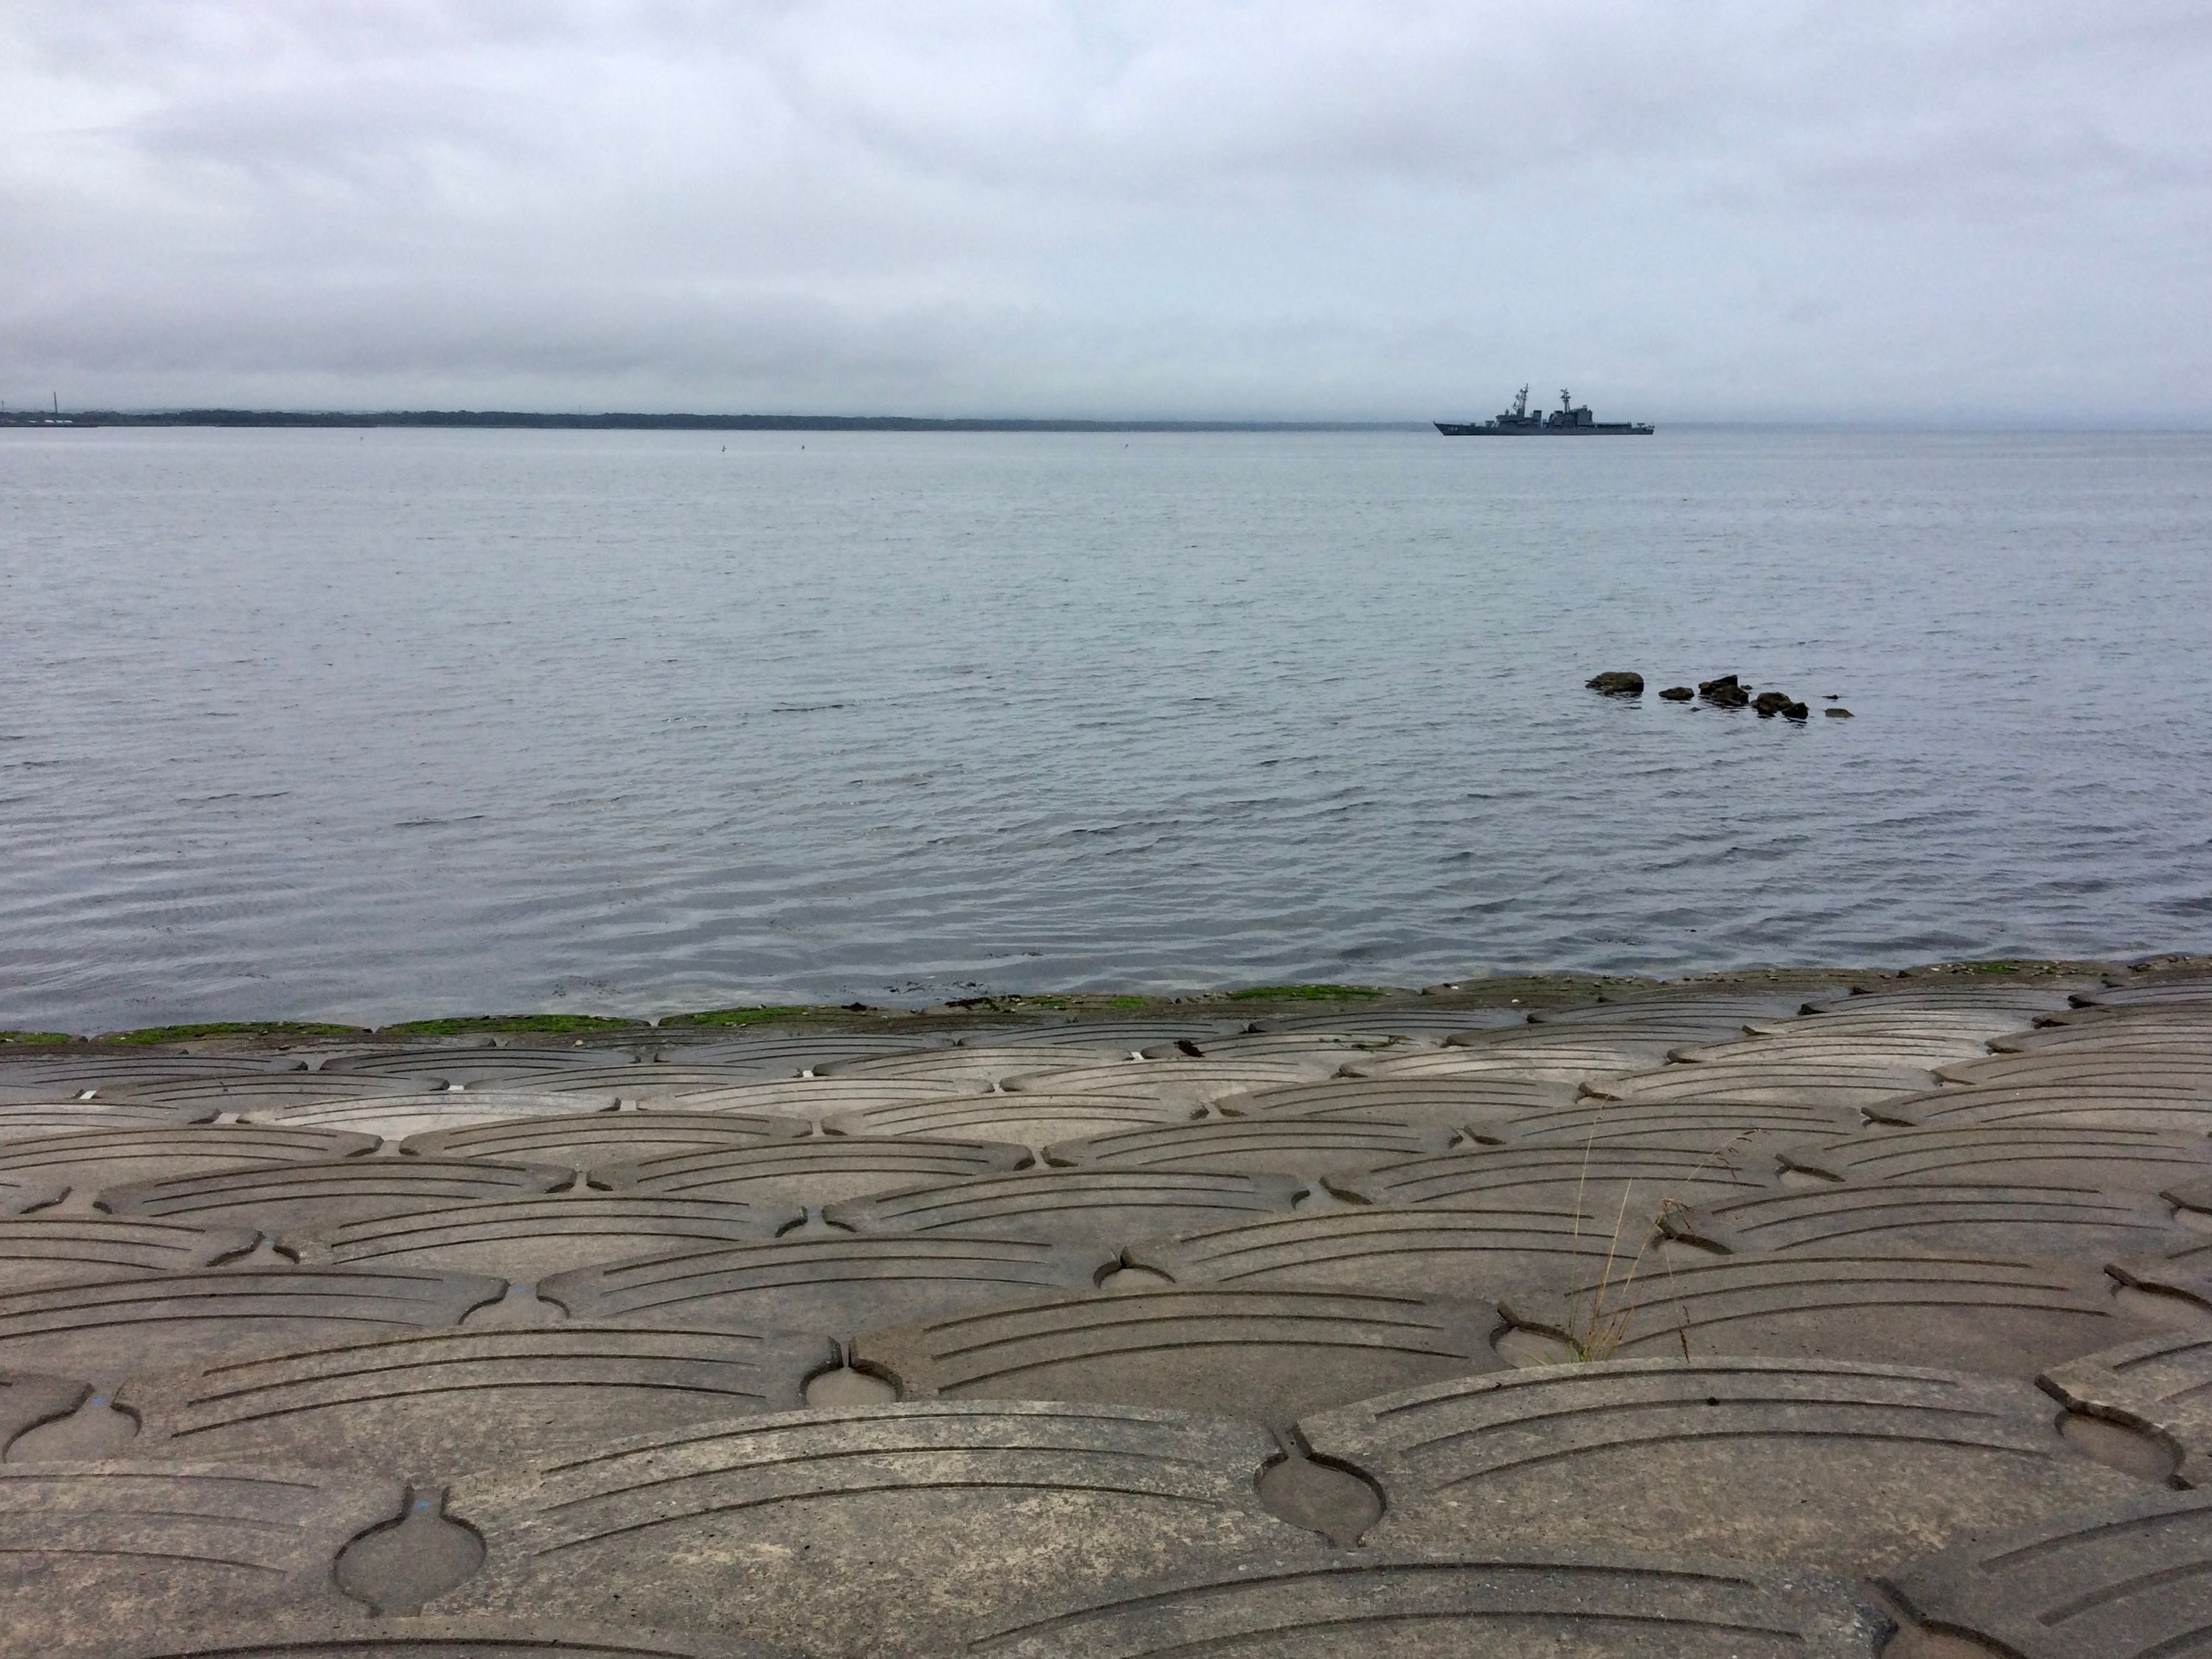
[(78, 1249), (396, 1117), (1267, 1355), (1034, 1120), (303, 1197), (100, 1159), (525, 1239), (899, 1529), (821, 1170), (1711, 1124), (1475, 1255), (581, 1140), (1993, 1317), (823, 1283), (2130, 1580), (118, 1329), (1175, 1079), (1101, 1208), (1304, 1148), (479, 1068), (32, 1120), (126, 1547), (816, 1099), (2112, 1160), (2128, 1105), (2058, 1223), (1862, 1468), (1601, 1180), (1848, 1087), (1487, 1603), (1439, 1103), (438, 1404)]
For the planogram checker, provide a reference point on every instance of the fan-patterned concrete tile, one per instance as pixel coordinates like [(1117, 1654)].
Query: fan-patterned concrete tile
[(81, 1071), (1818, 1047), (2150, 993), (1473, 1254), (78, 1249), (1688, 1010), (1114, 1036), (1713, 1124), (2122, 1106), (769, 1057), (2055, 1223), (396, 1117), (2161, 1385), (355, 1637), (33, 1119), (823, 1282), (1096, 1208), (244, 1093), (2112, 1160), (100, 1159), (2167, 1047), (899, 1529), (1564, 1052), (2084, 1069), (590, 1086), (1857, 1466), (977, 1068), (1175, 1079), (1993, 1317), (300, 1197), (1028, 1120), (816, 1099), (21, 1197), (581, 1140), (1850, 1087), (2024, 1000), (1303, 1147), (119, 1328), (480, 1068), (1413, 1606), (27, 1400), (1417, 1024), (525, 1239), (1640, 1181), (823, 1170), (99, 1549), (1442, 1103), (2130, 1581), (440, 1403), (1322, 1053), (1267, 1355)]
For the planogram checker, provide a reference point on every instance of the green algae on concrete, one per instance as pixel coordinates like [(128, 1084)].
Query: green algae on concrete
[(27, 1038), (465, 1025), (231, 1028)]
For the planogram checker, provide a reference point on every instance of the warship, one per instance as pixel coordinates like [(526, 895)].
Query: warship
[(1569, 420)]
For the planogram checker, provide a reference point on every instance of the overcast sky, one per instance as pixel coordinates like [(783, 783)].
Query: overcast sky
[(1311, 208)]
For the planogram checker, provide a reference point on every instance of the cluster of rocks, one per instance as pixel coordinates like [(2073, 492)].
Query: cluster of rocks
[(1726, 692)]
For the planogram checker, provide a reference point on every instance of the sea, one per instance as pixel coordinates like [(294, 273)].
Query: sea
[(365, 725)]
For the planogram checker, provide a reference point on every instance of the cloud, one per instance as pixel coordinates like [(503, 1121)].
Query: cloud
[(1377, 210)]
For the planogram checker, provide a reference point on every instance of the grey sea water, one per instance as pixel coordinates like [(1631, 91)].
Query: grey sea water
[(369, 725)]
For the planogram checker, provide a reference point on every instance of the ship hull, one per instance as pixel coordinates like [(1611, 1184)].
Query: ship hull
[(1606, 429)]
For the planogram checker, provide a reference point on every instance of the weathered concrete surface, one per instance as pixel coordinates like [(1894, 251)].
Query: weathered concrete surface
[(1552, 1316)]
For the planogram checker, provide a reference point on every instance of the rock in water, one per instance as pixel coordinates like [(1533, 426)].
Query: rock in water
[(1838, 713), (1617, 683), (1771, 703), (1707, 688), (1723, 693), (1795, 711), (1678, 694)]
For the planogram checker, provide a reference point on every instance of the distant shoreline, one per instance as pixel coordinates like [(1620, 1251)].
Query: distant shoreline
[(515, 419)]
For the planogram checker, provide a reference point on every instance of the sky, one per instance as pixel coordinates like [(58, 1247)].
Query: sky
[(1307, 209)]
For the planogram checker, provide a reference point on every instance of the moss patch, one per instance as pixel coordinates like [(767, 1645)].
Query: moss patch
[(233, 1028), (8, 1037), (463, 1024), (1305, 992)]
